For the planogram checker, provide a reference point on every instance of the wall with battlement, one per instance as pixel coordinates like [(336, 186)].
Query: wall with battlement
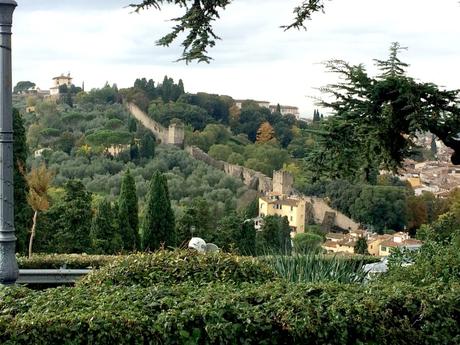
[(251, 178), (320, 207), (174, 135), (264, 184), (282, 183)]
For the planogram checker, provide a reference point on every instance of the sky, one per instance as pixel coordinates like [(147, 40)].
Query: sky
[(100, 41)]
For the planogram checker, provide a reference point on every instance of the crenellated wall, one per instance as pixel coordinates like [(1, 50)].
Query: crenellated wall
[(255, 180), (174, 135), (264, 184), (320, 208), (251, 178)]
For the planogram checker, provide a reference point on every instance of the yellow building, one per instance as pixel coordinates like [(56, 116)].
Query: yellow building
[(373, 244), (294, 209)]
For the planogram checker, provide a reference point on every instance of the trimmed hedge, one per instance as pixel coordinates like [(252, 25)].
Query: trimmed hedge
[(70, 261), (218, 313), (174, 267)]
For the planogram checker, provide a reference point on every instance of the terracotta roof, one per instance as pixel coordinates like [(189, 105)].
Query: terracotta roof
[(335, 236)]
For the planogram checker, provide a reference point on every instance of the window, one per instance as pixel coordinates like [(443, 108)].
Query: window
[(292, 208), (291, 218), (261, 205), (384, 249)]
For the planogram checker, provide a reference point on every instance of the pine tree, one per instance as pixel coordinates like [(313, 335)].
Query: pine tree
[(393, 67), (265, 133), (22, 210), (105, 236), (158, 226), (128, 213), (278, 108)]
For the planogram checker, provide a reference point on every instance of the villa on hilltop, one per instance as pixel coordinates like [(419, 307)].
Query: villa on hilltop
[(284, 109), (58, 82)]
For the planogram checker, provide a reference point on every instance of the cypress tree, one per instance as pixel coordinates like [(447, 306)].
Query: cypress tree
[(158, 226), (22, 210), (104, 235), (75, 220), (246, 238), (433, 147), (147, 147), (316, 116), (128, 213)]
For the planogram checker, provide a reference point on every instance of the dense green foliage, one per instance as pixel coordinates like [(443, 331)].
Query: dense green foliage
[(70, 261), (174, 267), (307, 242), (275, 236), (22, 210), (222, 313), (376, 119), (379, 206)]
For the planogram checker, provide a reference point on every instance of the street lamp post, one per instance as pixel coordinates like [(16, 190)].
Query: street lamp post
[(8, 264)]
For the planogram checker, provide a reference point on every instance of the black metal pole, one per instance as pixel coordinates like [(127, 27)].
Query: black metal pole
[(8, 264)]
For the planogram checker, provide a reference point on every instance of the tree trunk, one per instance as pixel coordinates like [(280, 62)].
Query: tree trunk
[(32, 233)]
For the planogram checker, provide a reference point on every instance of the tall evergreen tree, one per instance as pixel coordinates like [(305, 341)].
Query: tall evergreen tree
[(433, 147), (105, 236), (158, 226), (361, 246), (316, 116), (75, 219), (128, 213), (147, 147), (22, 210), (246, 238)]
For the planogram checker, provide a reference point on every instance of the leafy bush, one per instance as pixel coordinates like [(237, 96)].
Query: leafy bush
[(433, 263), (70, 261), (270, 313), (173, 267)]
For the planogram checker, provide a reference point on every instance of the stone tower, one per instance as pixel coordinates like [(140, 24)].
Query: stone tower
[(282, 182), (176, 134)]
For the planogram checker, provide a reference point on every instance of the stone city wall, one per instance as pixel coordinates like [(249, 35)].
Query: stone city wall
[(320, 207), (251, 178)]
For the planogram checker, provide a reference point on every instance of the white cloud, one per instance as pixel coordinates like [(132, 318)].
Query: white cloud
[(100, 41)]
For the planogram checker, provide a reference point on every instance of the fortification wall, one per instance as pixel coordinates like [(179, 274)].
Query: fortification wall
[(319, 209), (174, 135), (251, 178)]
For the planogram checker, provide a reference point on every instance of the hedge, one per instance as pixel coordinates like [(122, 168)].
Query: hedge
[(70, 261), (226, 313), (173, 267)]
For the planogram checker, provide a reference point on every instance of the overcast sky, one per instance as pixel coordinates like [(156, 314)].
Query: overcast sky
[(101, 40)]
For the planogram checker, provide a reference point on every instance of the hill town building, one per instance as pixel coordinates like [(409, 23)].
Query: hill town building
[(58, 82)]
